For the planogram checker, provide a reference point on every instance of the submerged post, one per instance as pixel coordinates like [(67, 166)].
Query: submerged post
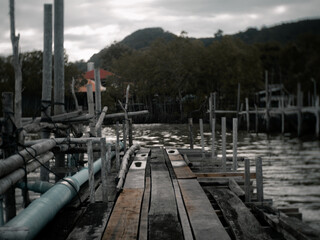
[(259, 179), (247, 187), (235, 143), (103, 145), (224, 154), (91, 171), (46, 78), (213, 134), (202, 138), (190, 127)]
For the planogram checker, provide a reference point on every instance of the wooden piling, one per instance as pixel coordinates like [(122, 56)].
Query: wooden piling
[(256, 118), (214, 105), (190, 127), (259, 179), (223, 132), (299, 105), (97, 97), (9, 196), (109, 159), (124, 136), (130, 132), (117, 146), (282, 116), (267, 102), (238, 99), (247, 186), (90, 108), (235, 143), (46, 78), (247, 115), (213, 138), (202, 138), (210, 108), (104, 170), (91, 172)]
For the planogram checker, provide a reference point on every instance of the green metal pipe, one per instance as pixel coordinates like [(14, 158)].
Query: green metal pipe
[(37, 186), (41, 211)]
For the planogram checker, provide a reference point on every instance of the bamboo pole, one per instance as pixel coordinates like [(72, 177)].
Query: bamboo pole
[(124, 136), (223, 130), (91, 172), (100, 120), (130, 132), (317, 113), (214, 105), (210, 108), (282, 116), (213, 138), (247, 187), (238, 99), (104, 170), (235, 143), (259, 179), (9, 197), (190, 127), (130, 114), (46, 78), (202, 138)]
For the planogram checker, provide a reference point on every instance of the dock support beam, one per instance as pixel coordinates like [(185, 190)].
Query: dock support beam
[(224, 153), (247, 187)]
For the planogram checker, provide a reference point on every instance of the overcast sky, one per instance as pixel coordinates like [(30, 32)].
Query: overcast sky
[(92, 25)]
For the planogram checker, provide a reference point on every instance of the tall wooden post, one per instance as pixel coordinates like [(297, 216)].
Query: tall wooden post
[(238, 100), (267, 102), (103, 145), (247, 115), (235, 143), (7, 106), (257, 118), (202, 138), (213, 134), (117, 147), (190, 127), (214, 105), (259, 179), (46, 77), (247, 186), (224, 153), (59, 72), (317, 113), (91, 171), (130, 132), (97, 96), (210, 109), (299, 105), (90, 108)]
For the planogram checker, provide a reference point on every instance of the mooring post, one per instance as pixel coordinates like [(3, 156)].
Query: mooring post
[(214, 105), (299, 105), (282, 115), (259, 179), (190, 127), (97, 97), (91, 171), (235, 143), (267, 102), (210, 109), (247, 186), (202, 138), (90, 108), (247, 115), (130, 132), (224, 153), (124, 125), (117, 146), (46, 79), (213, 135), (109, 158), (238, 99), (256, 117), (317, 113), (8, 114), (103, 145)]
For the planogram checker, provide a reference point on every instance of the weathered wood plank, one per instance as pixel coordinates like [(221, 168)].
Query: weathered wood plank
[(163, 216), (136, 174), (204, 221), (242, 222), (224, 174), (92, 222), (185, 224), (124, 220), (180, 167), (143, 230), (234, 187)]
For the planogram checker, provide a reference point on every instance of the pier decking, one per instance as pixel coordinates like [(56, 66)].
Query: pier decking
[(176, 194)]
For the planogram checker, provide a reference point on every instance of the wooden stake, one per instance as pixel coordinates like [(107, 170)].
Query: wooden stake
[(91, 172), (97, 97), (190, 127), (124, 136), (104, 173), (267, 102), (299, 105), (224, 154), (90, 108), (210, 108), (247, 186), (213, 135), (259, 179), (202, 138), (235, 143), (109, 159), (130, 132), (257, 118), (282, 115), (247, 115), (117, 146)]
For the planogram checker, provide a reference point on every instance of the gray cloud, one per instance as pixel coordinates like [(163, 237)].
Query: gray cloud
[(92, 25)]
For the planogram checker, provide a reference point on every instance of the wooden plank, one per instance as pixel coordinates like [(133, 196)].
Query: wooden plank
[(185, 224), (242, 222), (163, 216), (124, 220), (204, 221), (143, 230), (234, 187), (92, 223), (224, 174), (180, 167)]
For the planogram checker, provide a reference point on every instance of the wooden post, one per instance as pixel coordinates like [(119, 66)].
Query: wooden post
[(238, 100), (247, 115), (282, 116), (124, 136), (17, 67), (257, 118), (46, 78), (130, 132), (202, 138), (109, 159), (103, 145), (74, 94), (210, 109), (1, 211), (213, 135), (299, 105), (59, 72), (259, 179), (267, 102), (190, 127), (117, 146), (91, 172), (235, 143), (317, 113), (247, 187), (90, 108), (7, 107), (97, 96), (223, 131), (214, 105)]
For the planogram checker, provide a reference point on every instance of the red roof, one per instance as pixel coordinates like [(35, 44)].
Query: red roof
[(84, 88), (103, 74)]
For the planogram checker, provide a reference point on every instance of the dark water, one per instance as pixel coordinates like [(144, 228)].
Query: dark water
[(291, 167)]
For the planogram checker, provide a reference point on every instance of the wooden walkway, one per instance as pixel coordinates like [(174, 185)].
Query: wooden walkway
[(166, 196)]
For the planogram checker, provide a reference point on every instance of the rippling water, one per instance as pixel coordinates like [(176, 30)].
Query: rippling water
[(291, 167)]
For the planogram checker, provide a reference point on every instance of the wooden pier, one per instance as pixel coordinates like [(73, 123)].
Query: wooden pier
[(176, 194)]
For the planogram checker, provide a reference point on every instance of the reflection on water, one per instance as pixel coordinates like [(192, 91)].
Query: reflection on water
[(291, 167)]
